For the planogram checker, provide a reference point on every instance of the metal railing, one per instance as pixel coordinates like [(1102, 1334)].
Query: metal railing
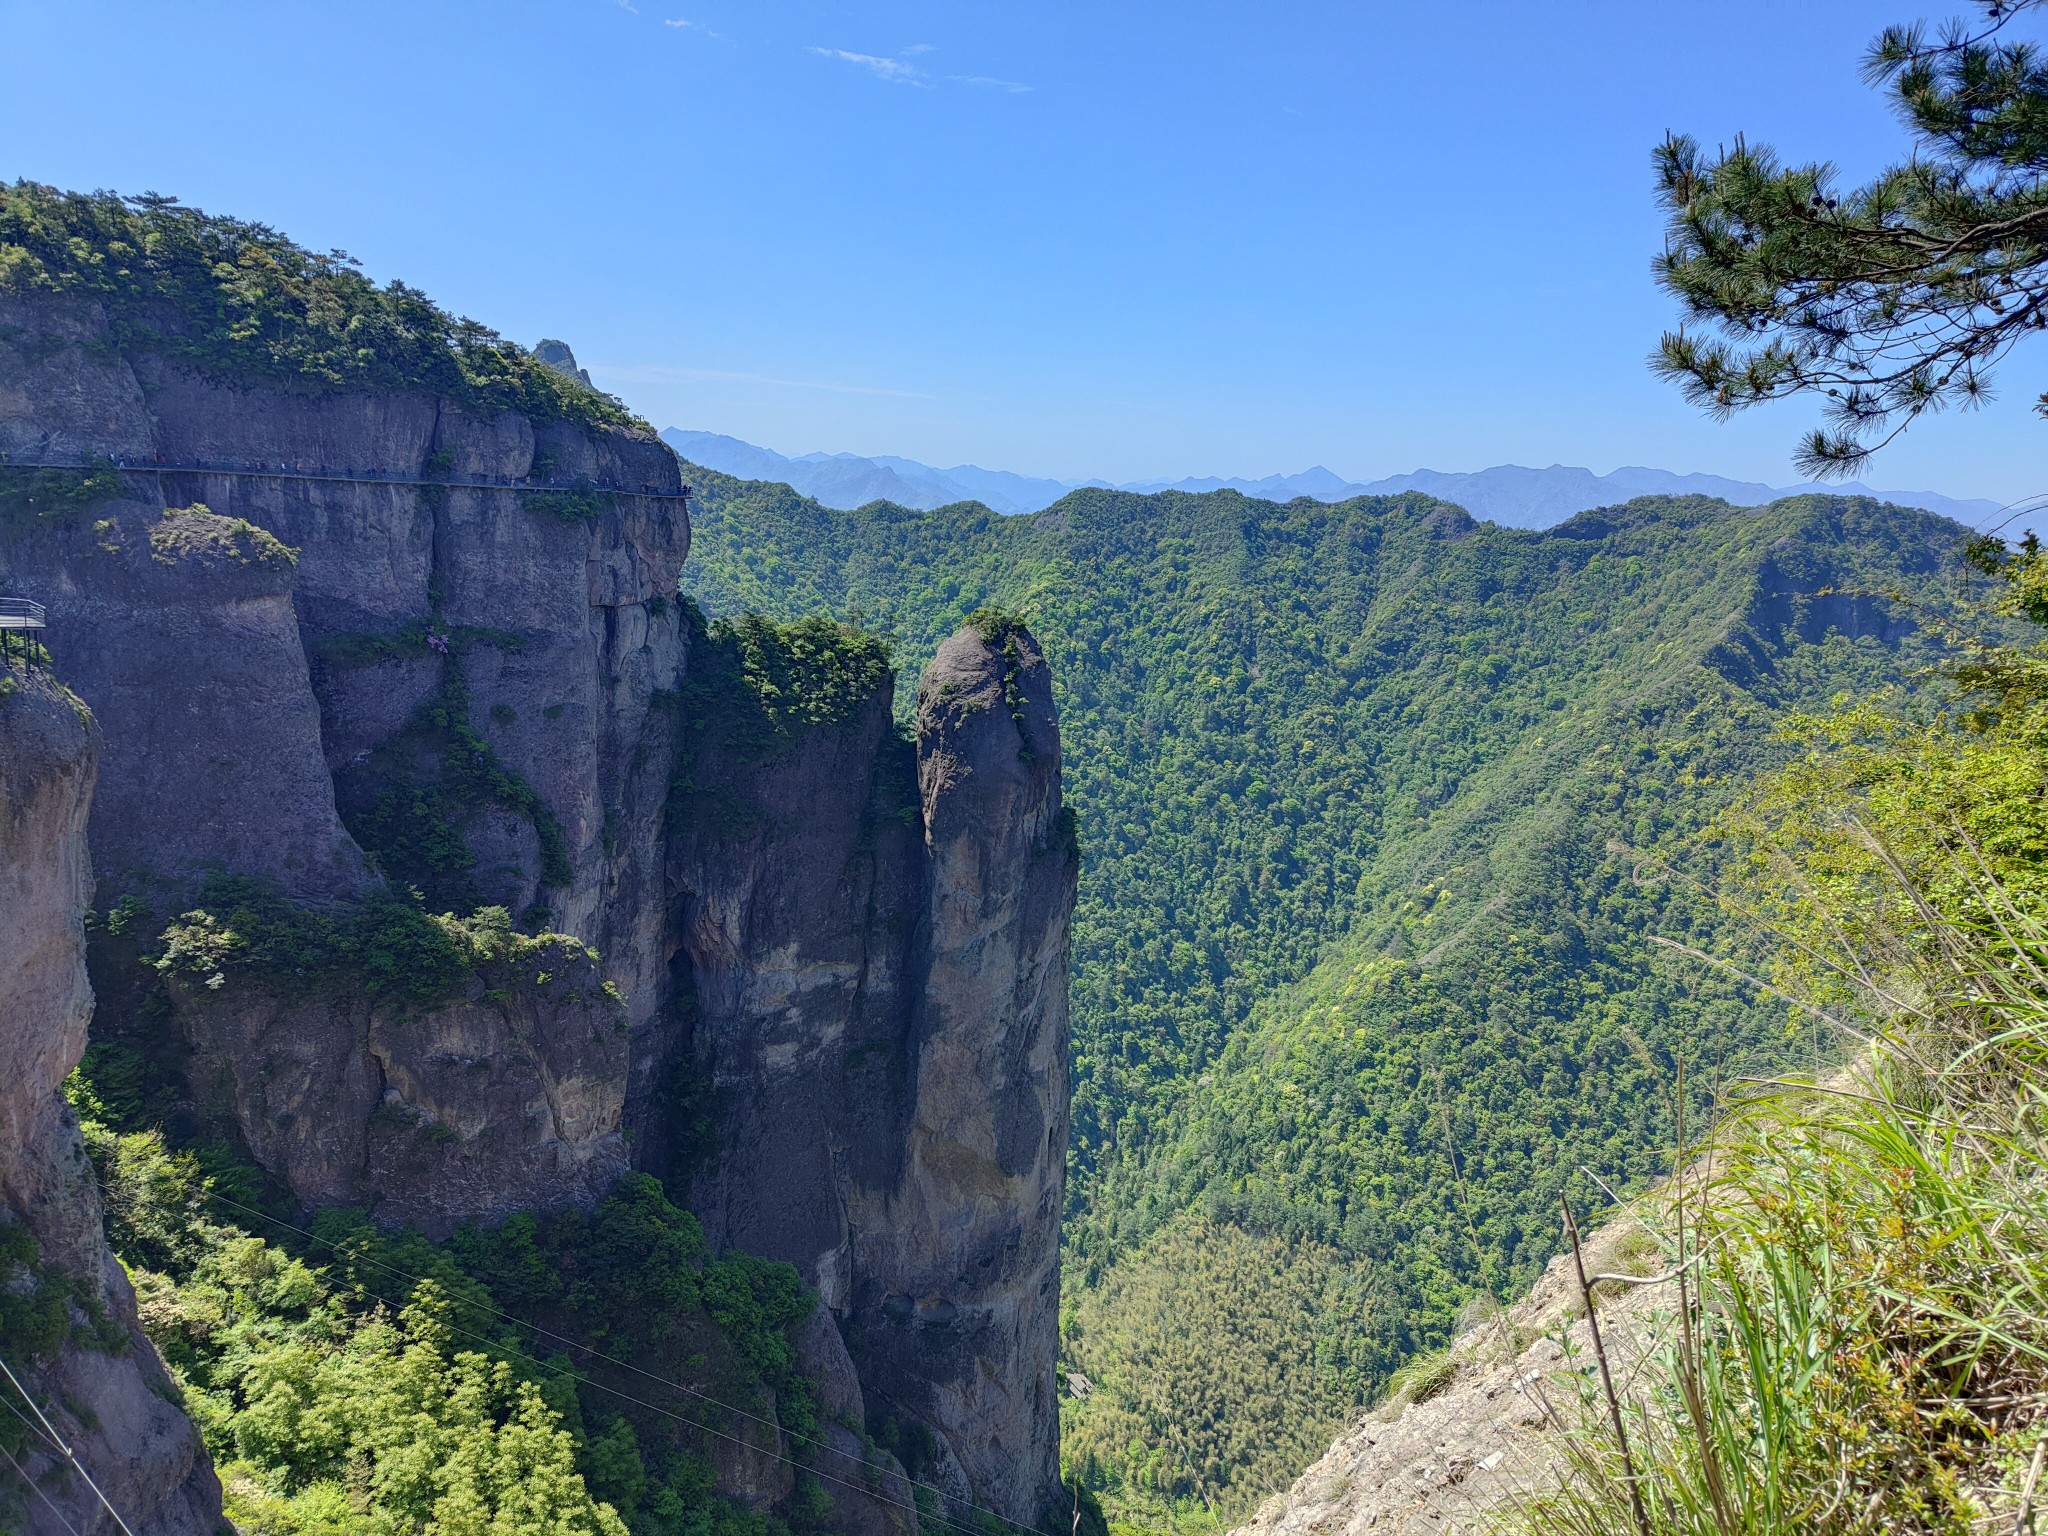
[(285, 471), (19, 613)]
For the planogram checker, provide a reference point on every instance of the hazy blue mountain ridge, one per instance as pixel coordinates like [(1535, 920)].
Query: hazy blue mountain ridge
[(1511, 495), (844, 481)]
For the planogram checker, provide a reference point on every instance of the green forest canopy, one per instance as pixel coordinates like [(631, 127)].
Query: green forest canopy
[(1365, 794), (240, 301)]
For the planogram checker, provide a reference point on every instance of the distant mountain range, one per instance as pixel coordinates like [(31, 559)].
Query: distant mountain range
[(1508, 494), (846, 480)]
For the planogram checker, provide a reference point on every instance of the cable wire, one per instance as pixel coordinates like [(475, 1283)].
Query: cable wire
[(63, 1449), (22, 1472), (664, 1381)]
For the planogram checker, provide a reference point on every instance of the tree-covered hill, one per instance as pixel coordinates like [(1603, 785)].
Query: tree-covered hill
[(243, 303), (1365, 792)]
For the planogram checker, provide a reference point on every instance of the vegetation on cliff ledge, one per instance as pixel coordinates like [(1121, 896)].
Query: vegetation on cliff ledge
[(351, 1380), (241, 302), (387, 948), (29, 496), (811, 671), (410, 803)]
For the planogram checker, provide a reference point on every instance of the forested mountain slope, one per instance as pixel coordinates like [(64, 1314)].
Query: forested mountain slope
[(1363, 793)]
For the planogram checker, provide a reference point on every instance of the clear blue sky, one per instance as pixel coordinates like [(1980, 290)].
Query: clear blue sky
[(1117, 239)]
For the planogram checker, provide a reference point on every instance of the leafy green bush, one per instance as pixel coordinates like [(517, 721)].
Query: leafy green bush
[(242, 302), (811, 671), (352, 1379), (752, 688), (386, 948), (993, 624), (35, 1303), (368, 649), (28, 495), (579, 504)]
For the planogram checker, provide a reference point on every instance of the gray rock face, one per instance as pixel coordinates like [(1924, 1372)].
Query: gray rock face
[(180, 629), (838, 965), (558, 356), (879, 980), (116, 1411), (796, 916), (508, 1099), (252, 641), (958, 1269), (1490, 1433)]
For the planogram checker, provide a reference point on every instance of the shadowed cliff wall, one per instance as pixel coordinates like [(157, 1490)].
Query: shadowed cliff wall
[(836, 1021), (95, 1374)]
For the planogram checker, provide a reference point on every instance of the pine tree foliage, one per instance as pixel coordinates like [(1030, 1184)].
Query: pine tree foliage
[(1891, 299)]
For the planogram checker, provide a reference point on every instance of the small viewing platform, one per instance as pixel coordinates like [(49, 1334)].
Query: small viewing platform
[(323, 472), (19, 613)]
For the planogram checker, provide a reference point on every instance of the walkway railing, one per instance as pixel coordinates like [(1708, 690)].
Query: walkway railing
[(347, 476), (22, 614)]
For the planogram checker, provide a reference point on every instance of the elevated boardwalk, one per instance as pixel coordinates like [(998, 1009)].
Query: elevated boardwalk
[(322, 472)]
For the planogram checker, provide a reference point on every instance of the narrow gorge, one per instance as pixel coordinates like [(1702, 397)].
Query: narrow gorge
[(358, 654)]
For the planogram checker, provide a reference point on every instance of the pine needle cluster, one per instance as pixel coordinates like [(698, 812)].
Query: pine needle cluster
[(1891, 299)]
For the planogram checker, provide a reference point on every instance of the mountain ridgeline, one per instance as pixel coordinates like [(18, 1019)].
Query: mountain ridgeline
[(1509, 494), (1373, 803)]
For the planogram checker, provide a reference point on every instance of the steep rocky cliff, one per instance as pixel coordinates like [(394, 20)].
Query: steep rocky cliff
[(877, 941), (348, 643), (467, 680), (70, 1331)]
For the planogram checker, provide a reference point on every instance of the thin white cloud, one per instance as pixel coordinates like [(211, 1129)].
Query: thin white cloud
[(990, 82), (661, 373), (896, 71), (684, 24)]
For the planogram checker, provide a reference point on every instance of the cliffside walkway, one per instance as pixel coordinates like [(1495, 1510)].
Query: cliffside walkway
[(344, 476)]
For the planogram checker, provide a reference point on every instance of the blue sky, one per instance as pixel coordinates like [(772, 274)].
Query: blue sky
[(1117, 239)]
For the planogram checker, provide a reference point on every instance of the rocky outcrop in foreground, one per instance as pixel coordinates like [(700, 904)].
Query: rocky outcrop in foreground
[(1486, 1431), (75, 1343)]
